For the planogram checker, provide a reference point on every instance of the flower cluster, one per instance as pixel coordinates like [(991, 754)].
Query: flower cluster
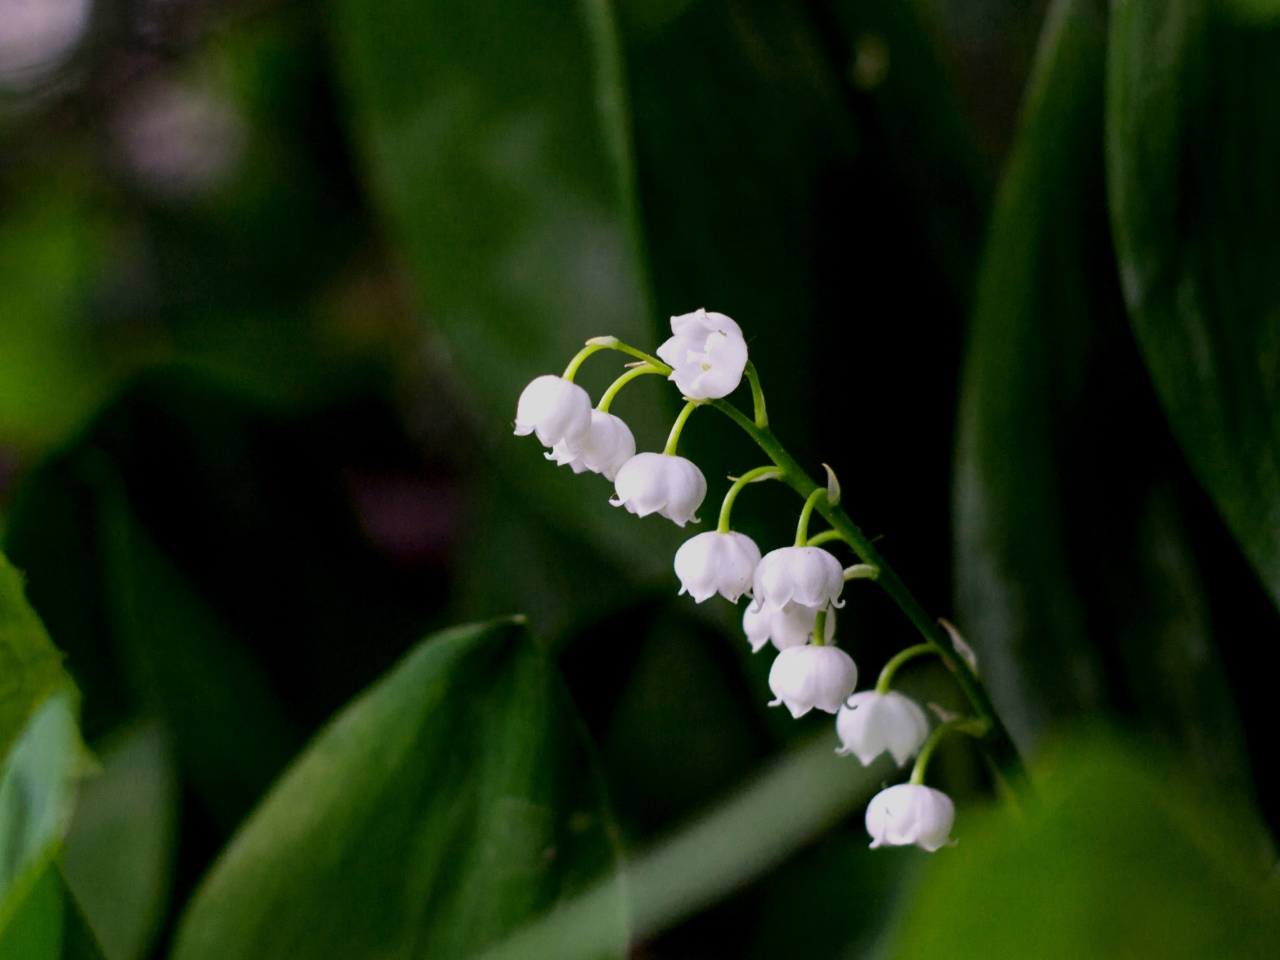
[(793, 592)]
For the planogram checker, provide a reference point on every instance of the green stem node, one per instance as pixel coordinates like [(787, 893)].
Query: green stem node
[(820, 629)]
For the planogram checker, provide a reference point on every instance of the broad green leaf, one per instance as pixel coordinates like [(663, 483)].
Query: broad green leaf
[(1192, 153), (1076, 583), (30, 665), (1114, 858), (442, 809), (31, 918), (121, 845), (37, 787), (798, 798), (504, 174), (42, 920)]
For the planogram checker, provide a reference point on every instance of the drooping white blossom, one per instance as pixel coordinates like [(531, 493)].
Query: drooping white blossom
[(603, 449), (910, 813), (870, 723), (556, 409), (707, 354), (714, 562), (809, 576), (811, 676), (789, 627), (661, 483)]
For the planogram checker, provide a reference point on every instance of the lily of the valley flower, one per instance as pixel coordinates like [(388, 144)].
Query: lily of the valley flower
[(661, 483), (910, 813), (712, 563), (554, 408), (604, 448), (791, 626), (707, 355), (809, 576), (870, 723), (812, 676)]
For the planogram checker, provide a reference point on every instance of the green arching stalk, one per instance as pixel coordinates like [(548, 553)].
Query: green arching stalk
[(826, 536), (859, 571), (971, 726), (678, 427), (885, 683), (751, 476), (802, 528), (613, 343), (997, 743), (571, 370), (757, 396), (622, 381), (820, 629)]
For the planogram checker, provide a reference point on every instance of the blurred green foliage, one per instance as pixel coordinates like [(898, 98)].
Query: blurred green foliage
[(271, 279)]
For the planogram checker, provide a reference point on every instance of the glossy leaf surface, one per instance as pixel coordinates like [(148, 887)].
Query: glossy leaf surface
[(1192, 153), (446, 806)]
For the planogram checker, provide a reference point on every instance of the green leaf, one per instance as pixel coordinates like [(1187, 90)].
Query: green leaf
[(798, 798), (30, 665), (1115, 858), (32, 916), (1077, 585), (37, 787), (1192, 154), (504, 171), (42, 920), (120, 849), (443, 808)]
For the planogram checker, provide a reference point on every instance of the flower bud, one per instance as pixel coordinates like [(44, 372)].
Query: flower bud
[(809, 576), (715, 562), (604, 448), (556, 409), (870, 723), (910, 813), (811, 676), (663, 484), (707, 355), (791, 626)]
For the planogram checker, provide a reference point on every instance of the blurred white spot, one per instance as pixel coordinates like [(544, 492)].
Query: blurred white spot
[(870, 62), (179, 141), (38, 35)]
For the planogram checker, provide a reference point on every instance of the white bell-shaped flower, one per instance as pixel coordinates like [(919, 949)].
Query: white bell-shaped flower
[(663, 484), (809, 576), (712, 563), (707, 355), (812, 676), (604, 448), (791, 626), (870, 723), (554, 408), (910, 813)]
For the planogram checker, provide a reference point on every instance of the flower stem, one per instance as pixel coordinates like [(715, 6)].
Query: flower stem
[(820, 629), (972, 726), (571, 370), (802, 528), (885, 682), (678, 427), (826, 536), (751, 476), (613, 343), (997, 743), (622, 381), (757, 396)]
